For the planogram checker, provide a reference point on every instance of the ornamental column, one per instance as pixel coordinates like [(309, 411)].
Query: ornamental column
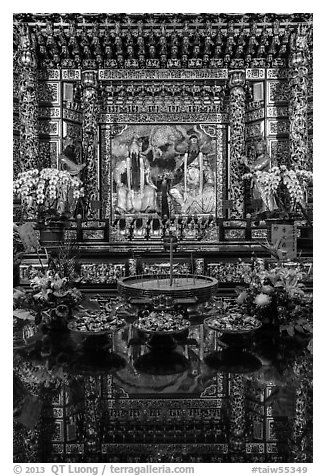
[(298, 104), (237, 408), (237, 141), (28, 104), (89, 139)]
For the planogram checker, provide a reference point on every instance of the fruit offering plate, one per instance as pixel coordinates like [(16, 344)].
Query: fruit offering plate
[(96, 324), (234, 323), (162, 323)]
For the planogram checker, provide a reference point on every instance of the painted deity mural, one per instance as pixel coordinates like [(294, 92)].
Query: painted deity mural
[(163, 169)]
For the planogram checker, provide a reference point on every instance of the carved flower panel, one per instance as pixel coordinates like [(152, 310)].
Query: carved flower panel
[(280, 151), (277, 72), (71, 130), (49, 112), (255, 115), (310, 87), (16, 156), (48, 74), (49, 151), (254, 130), (16, 86), (255, 73), (277, 111), (49, 128), (148, 74), (278, 92), (279, 127), (16, 123), (49, 92), (71, 74), (310, 122)]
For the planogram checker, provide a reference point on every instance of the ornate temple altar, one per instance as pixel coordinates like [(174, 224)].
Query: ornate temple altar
[(154, 114), (159, 117)]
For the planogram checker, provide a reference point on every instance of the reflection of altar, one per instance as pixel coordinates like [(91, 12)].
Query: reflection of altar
[(185, 411)]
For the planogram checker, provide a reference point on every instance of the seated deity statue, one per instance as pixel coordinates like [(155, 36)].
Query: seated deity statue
[(135, 190), (194, 191)]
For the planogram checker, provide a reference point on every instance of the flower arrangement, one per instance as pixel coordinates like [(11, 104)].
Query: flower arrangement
[(50, 301), (49, 194), (287, 186), (276, 296)]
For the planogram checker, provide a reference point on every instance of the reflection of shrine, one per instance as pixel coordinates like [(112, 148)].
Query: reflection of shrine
[(189, 413)]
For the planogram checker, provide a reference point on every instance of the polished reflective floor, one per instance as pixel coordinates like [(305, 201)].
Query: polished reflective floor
[(118, 400)]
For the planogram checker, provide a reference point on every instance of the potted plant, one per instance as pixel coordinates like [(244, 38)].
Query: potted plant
[(283, 193), (281, 189), (50, 196)]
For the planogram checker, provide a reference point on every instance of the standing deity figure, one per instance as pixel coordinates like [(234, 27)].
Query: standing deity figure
[(135, 189), (194, 191), (262, 163)]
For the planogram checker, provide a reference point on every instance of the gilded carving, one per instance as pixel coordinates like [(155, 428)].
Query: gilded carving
[(49, 112), (48, 74), (310, 153), (254, 105), (16, 123), (277, 111), (161, 106), (71, 74), (50, 128), (237, 137), (72, 130), (72, 115), (253, 130), (28, 119), (49, 151), (237, 402), (16, 86), (162, 74), (89, 146), (105, 151), (277, 73), (281, 127), (280, 152), (278, 92), (16, 156), (255, 73), (234, 234), (298, 115), (164, 118), (48, 92), (255, 115)]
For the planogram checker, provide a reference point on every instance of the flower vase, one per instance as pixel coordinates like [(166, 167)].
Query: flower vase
[(53, 233)]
